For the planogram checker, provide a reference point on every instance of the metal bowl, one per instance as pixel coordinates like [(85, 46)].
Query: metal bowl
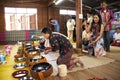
[(21, 59), (20, 66), (18, 56), (36, 58), (27, 78), (41, 67), (31, 51), (20, 73)]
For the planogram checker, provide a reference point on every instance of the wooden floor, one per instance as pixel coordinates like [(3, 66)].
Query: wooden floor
[(110, 71)]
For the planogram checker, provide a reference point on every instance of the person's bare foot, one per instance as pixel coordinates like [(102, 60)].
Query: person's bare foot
[(71, 67), (81, 63)]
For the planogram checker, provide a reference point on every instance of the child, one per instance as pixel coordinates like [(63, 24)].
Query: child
[(86, 35)]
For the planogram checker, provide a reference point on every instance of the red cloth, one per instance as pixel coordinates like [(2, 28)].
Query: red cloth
[(116, 44)]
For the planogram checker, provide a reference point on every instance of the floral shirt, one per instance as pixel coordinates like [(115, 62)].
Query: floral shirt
[(61, 43), (106, 16)]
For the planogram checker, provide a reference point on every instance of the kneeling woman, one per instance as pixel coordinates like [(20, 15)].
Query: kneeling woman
[(60, 42)]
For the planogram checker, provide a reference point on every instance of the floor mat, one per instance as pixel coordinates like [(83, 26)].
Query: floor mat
[(89, 62)]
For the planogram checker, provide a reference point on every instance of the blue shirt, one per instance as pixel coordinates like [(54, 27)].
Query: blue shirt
[(56, 26)]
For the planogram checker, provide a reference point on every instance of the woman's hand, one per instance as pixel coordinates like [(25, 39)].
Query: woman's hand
[(46, 52), (92, 43)]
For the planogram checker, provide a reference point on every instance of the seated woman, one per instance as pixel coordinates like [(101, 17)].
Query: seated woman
[(116, 38), (96, 43), (61, 43)]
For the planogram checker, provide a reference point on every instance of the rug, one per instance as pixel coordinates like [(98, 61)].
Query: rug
[(89, 62)]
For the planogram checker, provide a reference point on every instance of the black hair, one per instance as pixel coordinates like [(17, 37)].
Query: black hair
[(89, 12), (50, 19), (46, 30), (103, 1), (99, 22)]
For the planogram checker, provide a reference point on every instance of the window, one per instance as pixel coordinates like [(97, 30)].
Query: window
[(67, 12), (20, 18)]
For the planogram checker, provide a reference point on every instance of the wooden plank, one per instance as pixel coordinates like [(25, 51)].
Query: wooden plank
[(110, 71)]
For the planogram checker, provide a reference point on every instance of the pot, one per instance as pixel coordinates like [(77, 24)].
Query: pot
[(41, 71)]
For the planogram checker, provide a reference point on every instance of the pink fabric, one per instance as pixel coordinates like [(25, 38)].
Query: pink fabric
[(115, 44), (8, 49), (2, 36), (27, 34)]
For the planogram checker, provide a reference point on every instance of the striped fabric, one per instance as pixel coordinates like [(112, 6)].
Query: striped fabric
[(15, 35), (22, 35), (27, 35), (2, 36)]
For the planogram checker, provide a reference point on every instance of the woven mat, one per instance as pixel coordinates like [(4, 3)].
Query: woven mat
[(90, 62)]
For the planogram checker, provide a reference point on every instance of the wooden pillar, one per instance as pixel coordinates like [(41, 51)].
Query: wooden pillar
[(79, 23), (2, 18)]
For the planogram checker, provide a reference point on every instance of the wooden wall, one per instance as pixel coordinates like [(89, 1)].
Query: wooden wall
[(62, 19), (41, 8), (2, 18), (44, 14)]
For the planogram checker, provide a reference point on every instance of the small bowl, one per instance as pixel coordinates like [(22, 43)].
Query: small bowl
[(20, 73), (33, 51), (18, 55), (20, 66), (27, 78), (21, 59), (36, 58)]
